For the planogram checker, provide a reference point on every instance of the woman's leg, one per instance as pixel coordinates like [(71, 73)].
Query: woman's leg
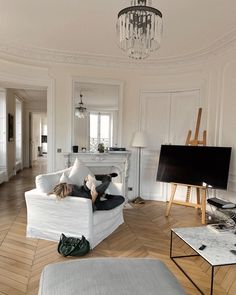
[(101, 188), (80, 191), (111, 202), (101, 176)]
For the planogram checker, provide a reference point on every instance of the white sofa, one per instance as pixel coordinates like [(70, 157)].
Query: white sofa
[(48, 216)]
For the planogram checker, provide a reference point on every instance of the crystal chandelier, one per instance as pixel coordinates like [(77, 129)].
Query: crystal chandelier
[(139, 29), (80, 110)]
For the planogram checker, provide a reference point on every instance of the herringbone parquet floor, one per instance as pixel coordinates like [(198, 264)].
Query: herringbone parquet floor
[(145, 233)]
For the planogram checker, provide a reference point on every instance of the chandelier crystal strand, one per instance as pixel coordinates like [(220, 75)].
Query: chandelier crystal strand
[(139, 29)]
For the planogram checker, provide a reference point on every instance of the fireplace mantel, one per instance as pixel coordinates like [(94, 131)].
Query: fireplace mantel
[(103, 163)]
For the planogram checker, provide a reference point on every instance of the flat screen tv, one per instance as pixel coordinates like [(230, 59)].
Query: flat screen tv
[(194, 165)]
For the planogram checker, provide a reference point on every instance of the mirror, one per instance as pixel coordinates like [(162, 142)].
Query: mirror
[(102, 122)]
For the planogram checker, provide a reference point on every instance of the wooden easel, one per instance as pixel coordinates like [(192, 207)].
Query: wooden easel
[(200, 190)]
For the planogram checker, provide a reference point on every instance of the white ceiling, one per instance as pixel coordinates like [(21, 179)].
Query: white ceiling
[(88, 27), (82, 27)]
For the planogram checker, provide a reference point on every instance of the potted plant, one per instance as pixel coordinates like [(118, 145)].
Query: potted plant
[(101, 147)]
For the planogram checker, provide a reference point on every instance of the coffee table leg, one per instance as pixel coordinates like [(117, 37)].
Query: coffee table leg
[(173, 258), (212, 279), (171, 237)]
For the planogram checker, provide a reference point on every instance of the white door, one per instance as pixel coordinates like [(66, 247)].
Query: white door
[(166, 118)]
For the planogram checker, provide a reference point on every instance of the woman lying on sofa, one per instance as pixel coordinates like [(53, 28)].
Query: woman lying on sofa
[(90, 191)]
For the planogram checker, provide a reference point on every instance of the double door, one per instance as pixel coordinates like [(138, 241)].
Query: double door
[(166, 117)]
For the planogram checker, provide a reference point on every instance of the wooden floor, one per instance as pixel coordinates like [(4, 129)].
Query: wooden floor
[(145, 233)]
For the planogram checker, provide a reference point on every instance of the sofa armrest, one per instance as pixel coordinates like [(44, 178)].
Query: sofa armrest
[(46, 182), (49, 216)]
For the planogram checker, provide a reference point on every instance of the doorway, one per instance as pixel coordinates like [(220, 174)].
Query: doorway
[(34, 121), (38, 138)]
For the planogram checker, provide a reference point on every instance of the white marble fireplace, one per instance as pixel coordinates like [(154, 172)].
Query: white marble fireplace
[(102, 163)]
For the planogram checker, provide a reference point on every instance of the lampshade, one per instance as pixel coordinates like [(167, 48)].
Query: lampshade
[(139, 140)]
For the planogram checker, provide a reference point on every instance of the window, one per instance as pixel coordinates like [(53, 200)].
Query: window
[(100, 129)]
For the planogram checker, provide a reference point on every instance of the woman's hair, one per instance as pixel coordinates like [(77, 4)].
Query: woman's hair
[(60, 190)]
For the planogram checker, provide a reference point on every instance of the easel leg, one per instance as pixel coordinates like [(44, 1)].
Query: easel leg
[(198, 195), (188, 137), (173, 190), (188, 194), (204, 137)]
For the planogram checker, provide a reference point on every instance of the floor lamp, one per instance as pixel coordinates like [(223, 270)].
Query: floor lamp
[(139, 141)]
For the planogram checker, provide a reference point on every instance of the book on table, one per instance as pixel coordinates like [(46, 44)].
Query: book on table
[(221, 227)]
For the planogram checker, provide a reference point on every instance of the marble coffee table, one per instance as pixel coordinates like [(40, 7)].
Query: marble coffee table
[(216, 253)]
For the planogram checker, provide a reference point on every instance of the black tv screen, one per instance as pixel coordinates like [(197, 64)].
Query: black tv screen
[(194, 165)]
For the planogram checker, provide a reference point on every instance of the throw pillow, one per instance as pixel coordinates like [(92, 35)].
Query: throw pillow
[(78, 173), (115, 188), (64, 178)]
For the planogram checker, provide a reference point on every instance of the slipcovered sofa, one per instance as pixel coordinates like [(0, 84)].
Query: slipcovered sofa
[(48, 216)]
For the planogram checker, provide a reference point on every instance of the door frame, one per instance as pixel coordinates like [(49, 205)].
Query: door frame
[(35, 81)]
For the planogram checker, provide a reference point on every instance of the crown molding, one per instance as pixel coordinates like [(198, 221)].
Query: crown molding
[(33, 54)]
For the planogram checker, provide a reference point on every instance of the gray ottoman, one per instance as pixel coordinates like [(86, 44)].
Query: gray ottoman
[(109, 276)]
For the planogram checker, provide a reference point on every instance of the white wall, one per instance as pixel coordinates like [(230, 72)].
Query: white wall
[(213, 76), (135, 83), (227, 124)]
